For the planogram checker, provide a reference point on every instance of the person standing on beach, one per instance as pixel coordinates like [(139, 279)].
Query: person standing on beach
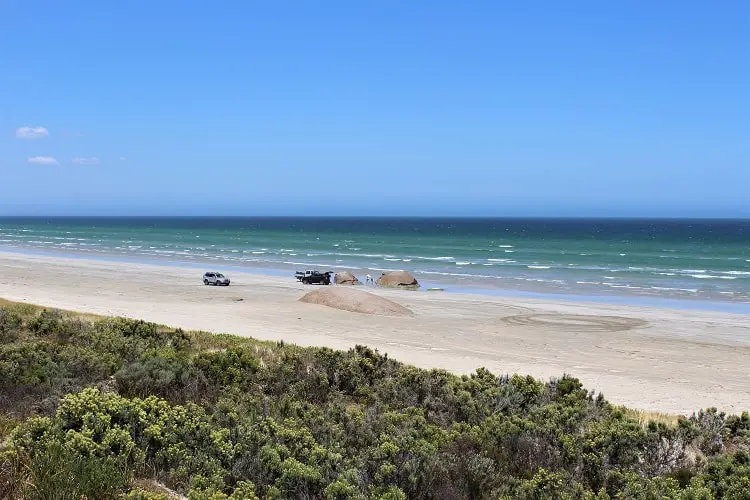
[(368, 279)]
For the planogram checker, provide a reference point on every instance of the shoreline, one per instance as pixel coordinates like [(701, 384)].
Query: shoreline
[(664, 360), (661, 302)]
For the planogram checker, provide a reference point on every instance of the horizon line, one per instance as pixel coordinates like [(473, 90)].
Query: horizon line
[(486, 217)]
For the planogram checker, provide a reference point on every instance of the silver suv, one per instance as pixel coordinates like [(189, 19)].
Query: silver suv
[(215, 279)]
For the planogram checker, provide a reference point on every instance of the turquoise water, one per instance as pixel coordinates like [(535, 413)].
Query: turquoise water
[(698, 259)]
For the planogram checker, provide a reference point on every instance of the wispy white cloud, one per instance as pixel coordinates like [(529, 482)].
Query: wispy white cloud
[(43, 160), (122, 158), (82, 160), (31, 132)]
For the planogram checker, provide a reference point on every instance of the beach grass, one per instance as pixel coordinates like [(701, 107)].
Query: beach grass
[(25, 310), (643, 417)]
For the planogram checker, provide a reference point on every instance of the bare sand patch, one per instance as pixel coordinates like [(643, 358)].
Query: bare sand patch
[(356, 301)]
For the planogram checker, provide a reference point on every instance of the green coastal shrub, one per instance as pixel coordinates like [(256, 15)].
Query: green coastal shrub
[(108, 407), (10, 325), (47, 323), (158, 372), (27, 365), (84, 363)]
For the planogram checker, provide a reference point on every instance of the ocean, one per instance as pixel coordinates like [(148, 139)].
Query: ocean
[(704, 260)]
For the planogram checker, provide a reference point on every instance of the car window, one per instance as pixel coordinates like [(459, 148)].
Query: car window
[(209, 275), (219, 275)]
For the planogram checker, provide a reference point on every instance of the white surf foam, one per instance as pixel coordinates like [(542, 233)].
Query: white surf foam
[(463, 275)]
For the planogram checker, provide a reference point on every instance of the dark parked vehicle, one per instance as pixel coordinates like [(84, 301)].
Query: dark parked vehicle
[(216, 279), (314, 277)]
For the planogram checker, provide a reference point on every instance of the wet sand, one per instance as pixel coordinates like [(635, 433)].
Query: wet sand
[(654, 359)]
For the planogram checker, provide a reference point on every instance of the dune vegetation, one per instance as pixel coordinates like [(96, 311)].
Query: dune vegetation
[(119, 408)]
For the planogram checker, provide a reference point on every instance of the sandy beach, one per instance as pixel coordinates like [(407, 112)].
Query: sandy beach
[(664, 360)]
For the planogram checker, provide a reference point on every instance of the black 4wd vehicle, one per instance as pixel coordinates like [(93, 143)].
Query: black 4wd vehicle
[(314, 277)]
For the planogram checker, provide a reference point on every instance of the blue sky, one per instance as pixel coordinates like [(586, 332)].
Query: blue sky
[(583, 108)]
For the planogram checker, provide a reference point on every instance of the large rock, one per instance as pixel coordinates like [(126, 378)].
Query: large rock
[(398, 279), (358, 301), (346, 278)]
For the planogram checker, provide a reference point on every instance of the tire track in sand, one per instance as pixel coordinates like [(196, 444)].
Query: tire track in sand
[(576, 322)]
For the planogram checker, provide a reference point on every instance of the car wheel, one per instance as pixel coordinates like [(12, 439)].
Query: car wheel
[(205, 282)]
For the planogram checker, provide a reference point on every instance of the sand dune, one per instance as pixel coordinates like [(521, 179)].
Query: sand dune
[(357, 301), (653, 359)]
